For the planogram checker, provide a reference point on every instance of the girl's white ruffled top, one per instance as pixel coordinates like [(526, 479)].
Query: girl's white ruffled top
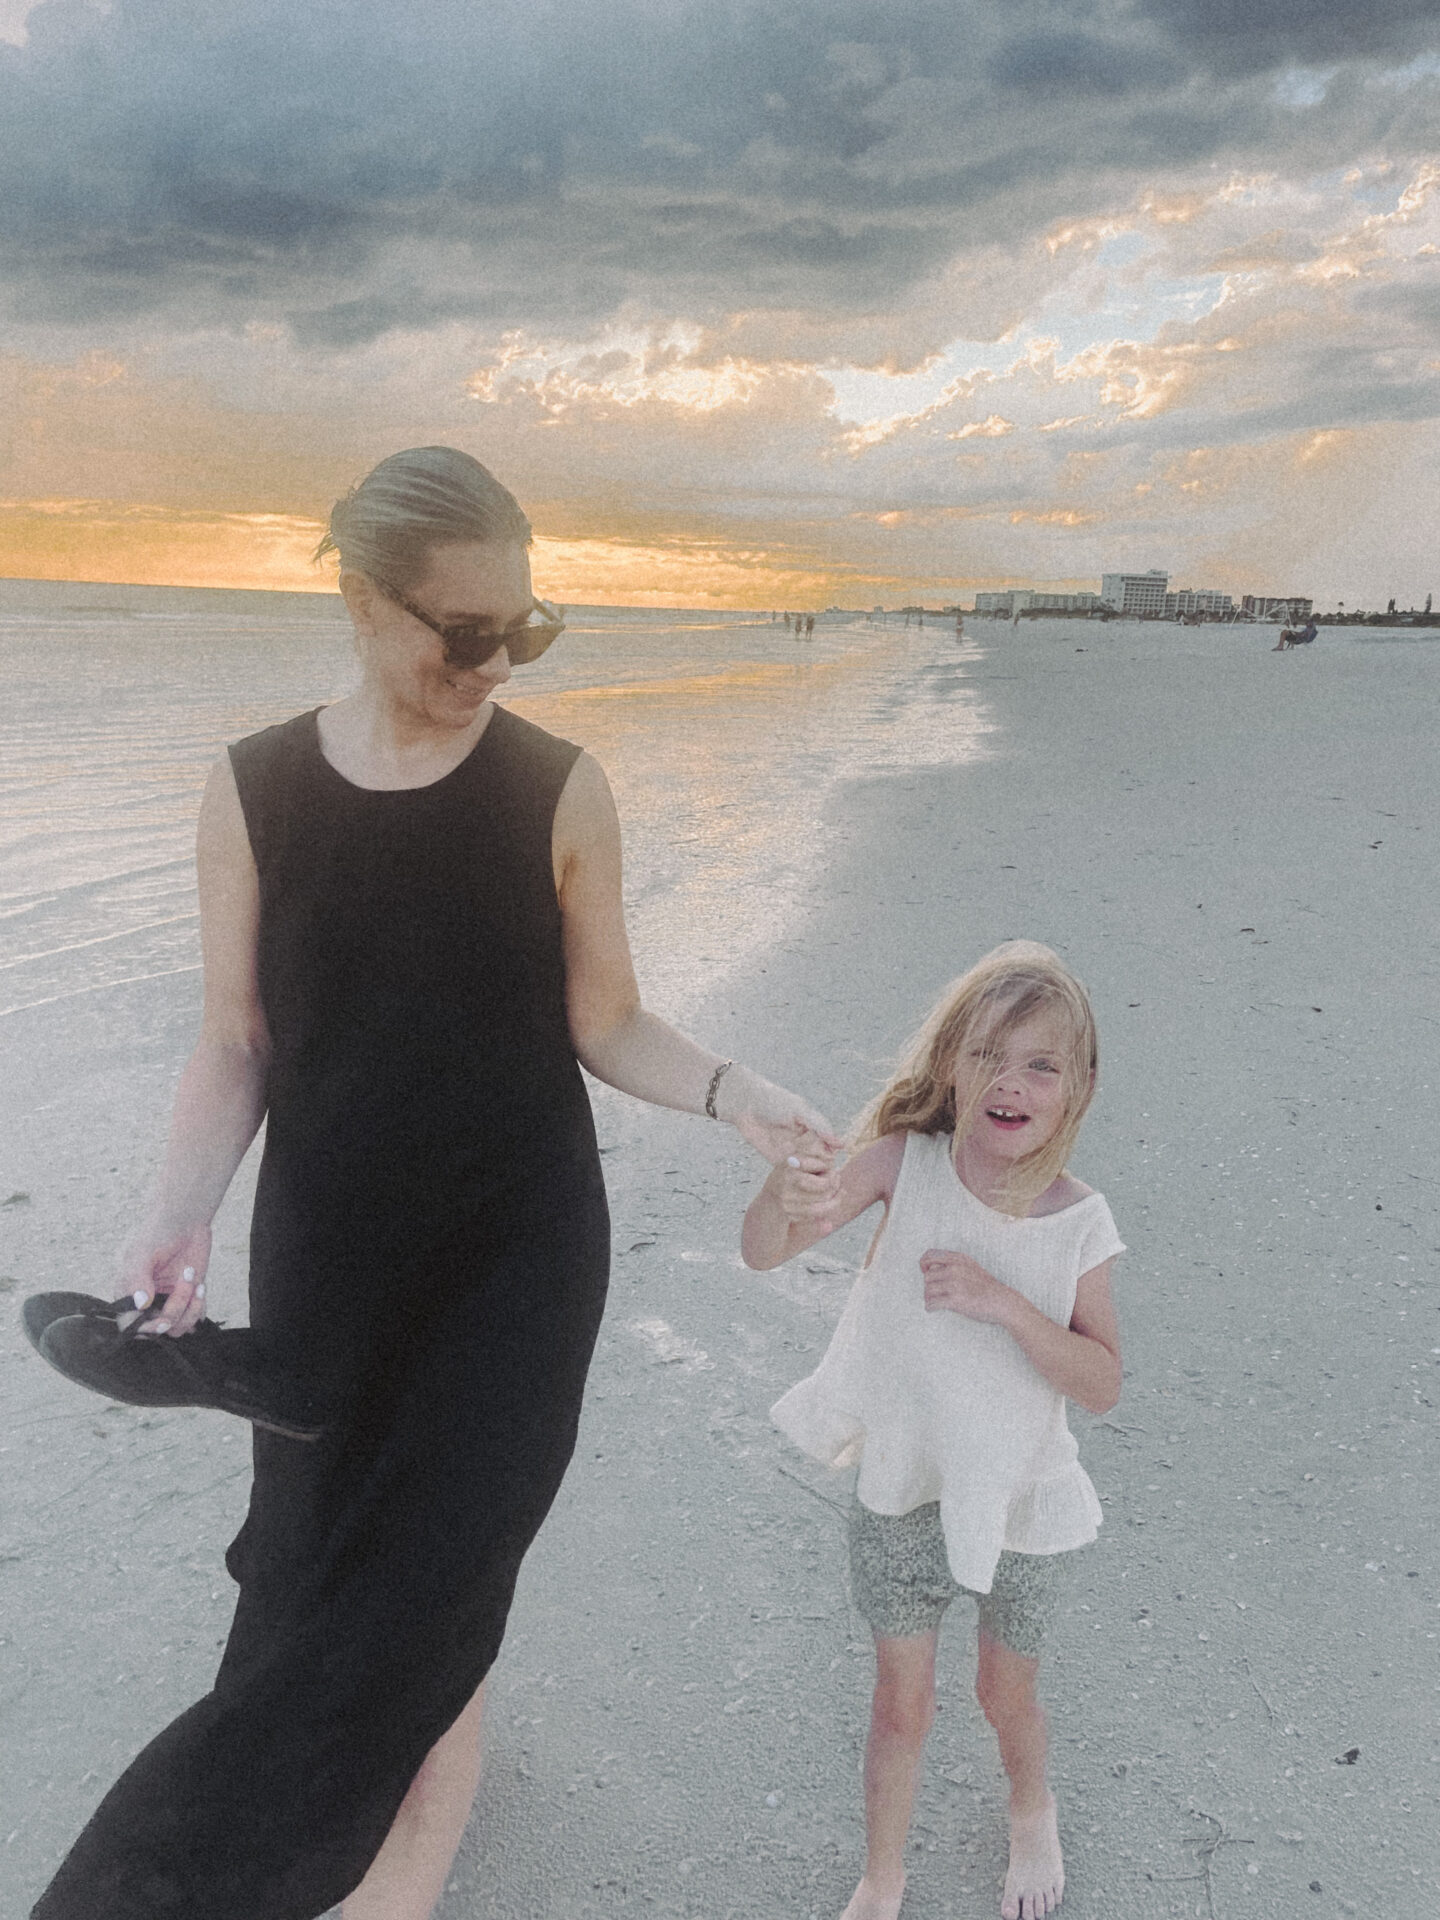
[(939, 1407)]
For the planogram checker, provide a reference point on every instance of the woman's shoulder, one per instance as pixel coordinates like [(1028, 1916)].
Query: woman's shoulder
[(523, 739), (269, 744), (258, 755)]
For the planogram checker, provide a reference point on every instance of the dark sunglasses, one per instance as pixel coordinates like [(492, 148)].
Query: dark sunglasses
[(471, 645)]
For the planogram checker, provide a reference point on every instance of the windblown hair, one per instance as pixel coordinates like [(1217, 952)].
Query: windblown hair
[(425, 497), (998, 994)]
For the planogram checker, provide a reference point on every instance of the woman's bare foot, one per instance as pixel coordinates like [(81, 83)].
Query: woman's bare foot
[(1036, 1878), (867, 1903)]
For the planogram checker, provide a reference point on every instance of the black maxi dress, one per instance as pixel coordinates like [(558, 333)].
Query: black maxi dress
[(430, 1239)]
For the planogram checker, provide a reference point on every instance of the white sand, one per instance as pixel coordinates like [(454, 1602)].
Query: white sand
[(677, 1719)]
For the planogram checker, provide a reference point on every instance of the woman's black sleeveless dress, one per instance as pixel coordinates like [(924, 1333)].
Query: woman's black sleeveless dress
[(430, 1238)]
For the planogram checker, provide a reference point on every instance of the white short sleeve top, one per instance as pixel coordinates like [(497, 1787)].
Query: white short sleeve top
[(938, 1407)]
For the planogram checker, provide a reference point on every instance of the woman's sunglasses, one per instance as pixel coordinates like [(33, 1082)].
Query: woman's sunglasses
[(471, 645)]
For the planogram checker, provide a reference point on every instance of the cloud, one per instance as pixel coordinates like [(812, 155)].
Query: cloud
[(70, 539), (823, 293), (1271, 314), (346, 169), (1050, 65), (1236, 35)]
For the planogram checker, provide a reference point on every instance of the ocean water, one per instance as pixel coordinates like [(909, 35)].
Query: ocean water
[(723, 737)]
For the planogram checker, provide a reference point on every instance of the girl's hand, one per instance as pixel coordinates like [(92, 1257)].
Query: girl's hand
[(957, 1284), (807, 1189), (170, 1263), (776, 1123)]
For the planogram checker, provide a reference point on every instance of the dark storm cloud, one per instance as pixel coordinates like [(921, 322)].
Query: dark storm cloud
[(1236, 34), (1067, 64), (353, 168)]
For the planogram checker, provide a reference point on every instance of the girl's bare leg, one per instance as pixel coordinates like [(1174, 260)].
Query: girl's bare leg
[(1005, 1687), (407, 1876), (901, 1715)]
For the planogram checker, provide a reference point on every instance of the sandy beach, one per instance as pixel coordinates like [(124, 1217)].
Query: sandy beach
[(1236, 851)]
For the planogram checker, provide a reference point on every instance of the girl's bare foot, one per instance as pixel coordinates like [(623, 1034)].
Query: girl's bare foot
[(1036, 1878), (868, 1903)]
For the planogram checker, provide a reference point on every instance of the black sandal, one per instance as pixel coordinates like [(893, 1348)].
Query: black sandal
[(228, 1370)]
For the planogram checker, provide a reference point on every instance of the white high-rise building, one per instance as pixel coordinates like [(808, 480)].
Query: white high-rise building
[(1285, 606), (1065, 602), (1011, 600), (1135, 593), (1198, 600)]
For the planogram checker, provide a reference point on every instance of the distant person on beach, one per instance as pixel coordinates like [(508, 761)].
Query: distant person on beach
[(1295, 637), (413, 939), (984, 1304)]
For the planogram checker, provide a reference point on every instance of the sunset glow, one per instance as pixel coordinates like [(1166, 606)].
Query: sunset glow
[(886, 313)]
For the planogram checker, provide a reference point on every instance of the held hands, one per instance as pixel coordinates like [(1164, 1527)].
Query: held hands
[(170, 1263), (807, 1189), (957, 1284), (777, 1123)]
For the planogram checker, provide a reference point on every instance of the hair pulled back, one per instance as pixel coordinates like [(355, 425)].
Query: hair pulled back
[(999, 993), (422, 498)]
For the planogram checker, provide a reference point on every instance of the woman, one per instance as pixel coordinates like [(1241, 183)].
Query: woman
[(412, 927)]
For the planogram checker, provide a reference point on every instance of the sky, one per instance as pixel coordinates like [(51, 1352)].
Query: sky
[(757, 305)]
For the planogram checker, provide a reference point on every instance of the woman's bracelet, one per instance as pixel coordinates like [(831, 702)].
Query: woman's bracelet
[(715, 1080)]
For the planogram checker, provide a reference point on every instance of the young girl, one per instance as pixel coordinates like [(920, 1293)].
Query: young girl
[(984, 1304)]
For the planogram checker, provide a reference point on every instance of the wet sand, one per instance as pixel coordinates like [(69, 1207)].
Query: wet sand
[(1236, 851)]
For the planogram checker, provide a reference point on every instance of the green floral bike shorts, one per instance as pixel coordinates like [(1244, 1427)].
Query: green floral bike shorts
[(901, 1581)]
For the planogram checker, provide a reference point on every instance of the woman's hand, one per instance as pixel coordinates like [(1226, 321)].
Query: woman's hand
[(156, 1262), (955, 1283), (777, 1123)]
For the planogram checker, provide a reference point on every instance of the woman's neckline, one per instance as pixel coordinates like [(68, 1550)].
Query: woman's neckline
[(423, 786), (1012, 1219)]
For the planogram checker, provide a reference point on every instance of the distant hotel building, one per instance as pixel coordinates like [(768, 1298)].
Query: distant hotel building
[(1276, 607), (1146, 596), (1020, 599), (1198, 600), (1066, 602), (1135, 593)]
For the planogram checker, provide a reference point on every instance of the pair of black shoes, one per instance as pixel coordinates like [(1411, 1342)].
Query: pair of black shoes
[(97, 1344)]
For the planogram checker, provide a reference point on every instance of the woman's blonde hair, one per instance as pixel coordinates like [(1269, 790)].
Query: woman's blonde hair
[(998, 994), (424, 497)]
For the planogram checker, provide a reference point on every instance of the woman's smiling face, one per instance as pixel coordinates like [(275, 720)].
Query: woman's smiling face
[(465, 583), (1017, 1081)]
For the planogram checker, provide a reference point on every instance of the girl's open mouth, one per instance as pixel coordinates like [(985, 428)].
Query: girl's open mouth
[(1006, 1118)]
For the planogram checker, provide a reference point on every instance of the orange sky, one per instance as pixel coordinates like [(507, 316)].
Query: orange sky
[(856, 320)]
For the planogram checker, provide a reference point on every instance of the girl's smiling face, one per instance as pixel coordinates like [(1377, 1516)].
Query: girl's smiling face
[(1015, 1083)]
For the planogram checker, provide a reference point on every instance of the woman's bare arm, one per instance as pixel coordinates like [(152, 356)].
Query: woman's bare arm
[(614, 1036), (220, 1099)]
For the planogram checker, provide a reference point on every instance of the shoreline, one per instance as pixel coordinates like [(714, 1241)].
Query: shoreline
[(26, 594)]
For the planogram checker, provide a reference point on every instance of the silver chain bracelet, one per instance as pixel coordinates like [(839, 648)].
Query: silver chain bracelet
[(715, 1080)]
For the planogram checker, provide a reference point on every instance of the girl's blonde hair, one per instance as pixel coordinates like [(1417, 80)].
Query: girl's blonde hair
[(998, 994)]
